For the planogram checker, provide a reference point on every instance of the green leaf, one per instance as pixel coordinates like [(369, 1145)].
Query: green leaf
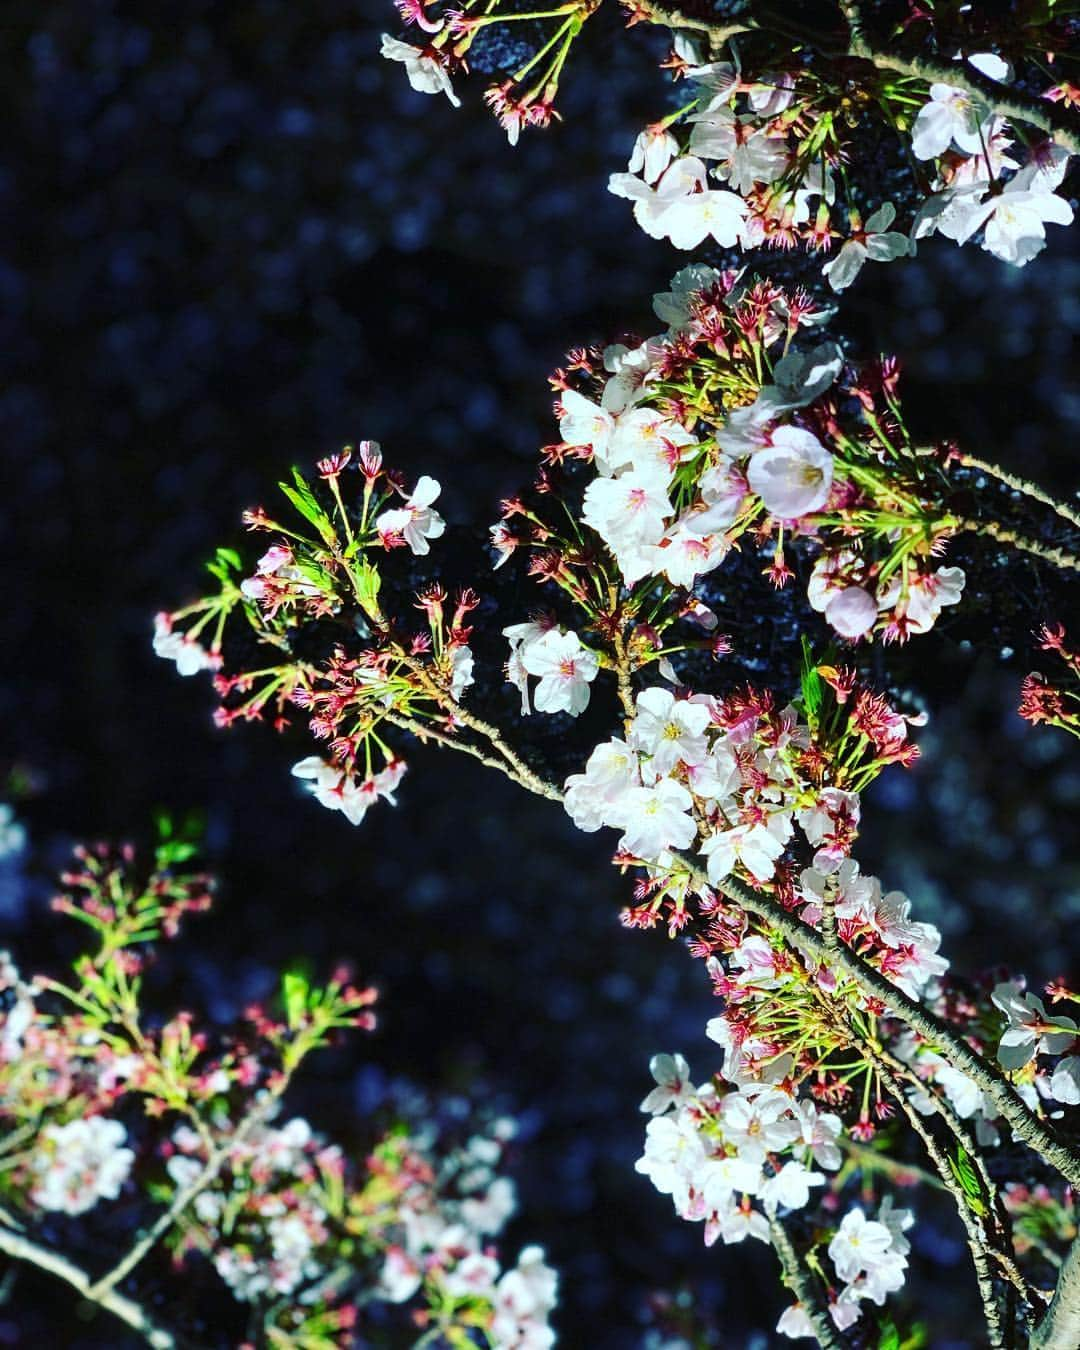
[(368, 583), (813, 687), (889, 1338), (178, 840), (224, 561), (303, 499), (294, 993), (968, 1180)]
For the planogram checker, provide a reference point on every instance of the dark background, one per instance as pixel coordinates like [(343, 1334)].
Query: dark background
[(232, 239)]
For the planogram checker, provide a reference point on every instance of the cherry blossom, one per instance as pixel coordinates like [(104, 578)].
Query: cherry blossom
[(757, 847), (792, 475), (653, 151), (629, 514), (744, 151), (673, 1086), (859, 1244), (565, 669), (874, 242), (584, 423), (77, 1164), (1030, 1030), (189, 656), (424, 68), (655, 819), (669, 730), (596, 797), (682, 207), (416, 522), (1013, 220)]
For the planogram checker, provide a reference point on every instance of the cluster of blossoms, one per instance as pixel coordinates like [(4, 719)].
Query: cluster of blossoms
[(763, 161), (77, 1164), (725, 430), (758, 150), (322, 571), (736, 427), (98, 1101), (732, 779), (1049, 703), (448, 1211), (288, 1211), (448, 32), (742, 810), (738, 1151)]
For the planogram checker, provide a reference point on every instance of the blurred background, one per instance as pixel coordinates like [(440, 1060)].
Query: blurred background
[(232, 239)]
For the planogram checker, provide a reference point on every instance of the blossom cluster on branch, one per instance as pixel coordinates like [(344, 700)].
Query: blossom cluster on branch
[(103, 1102), (765, 147)]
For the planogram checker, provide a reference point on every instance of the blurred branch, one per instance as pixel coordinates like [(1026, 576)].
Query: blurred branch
[(127, 1310), (1060, 1328)]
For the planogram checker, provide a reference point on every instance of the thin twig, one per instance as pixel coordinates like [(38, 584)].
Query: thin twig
[(801, 1283), (1002, 534), (976, 1237), (1023, 485), (180, 1201)]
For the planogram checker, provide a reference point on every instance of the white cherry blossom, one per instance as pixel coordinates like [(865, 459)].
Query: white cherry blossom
[(656, 818), (77, 1164), (629, 513), (742, 149), (417, 521), (1030, 1031), (793, 475), (875, 242), (653, 151), (756, 847), (425, 73), (585, 423), (565, 668), (859, 1244), (673, 1086), (669, 730)]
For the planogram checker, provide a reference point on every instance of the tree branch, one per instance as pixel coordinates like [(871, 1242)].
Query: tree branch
[(1060, 1328), (1012, 1107), (180, 1201), (976, 1238), (1036, 112), (992, 529), (1022, 485), (801, 1283), (127, 1310), (1033, 1131)]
